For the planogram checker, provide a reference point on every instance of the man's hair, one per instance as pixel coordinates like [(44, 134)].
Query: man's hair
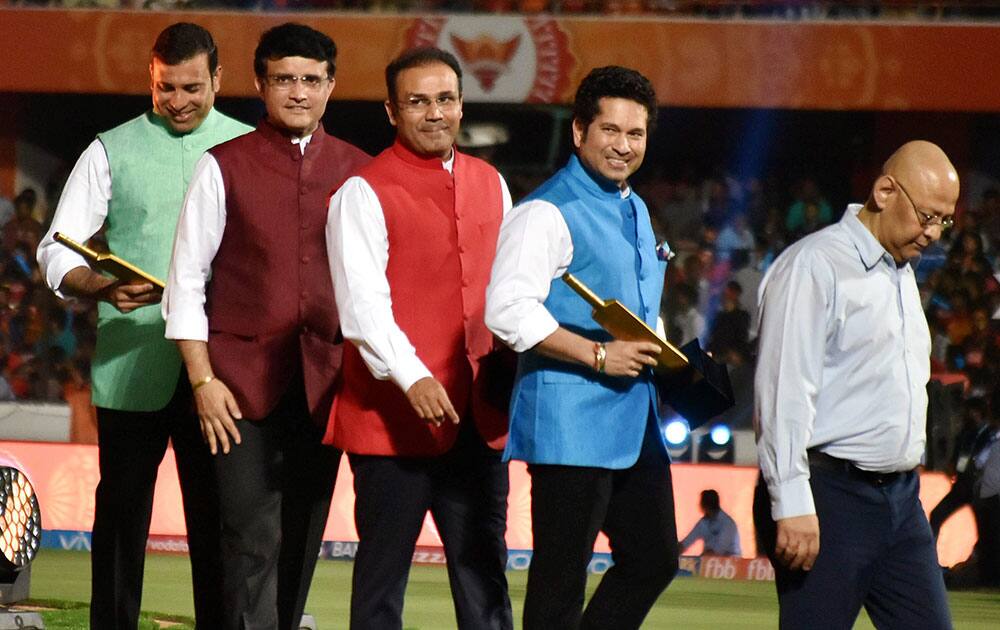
[(415, 58), (613, 82), (294, 40), (182, 41), (710, 500)]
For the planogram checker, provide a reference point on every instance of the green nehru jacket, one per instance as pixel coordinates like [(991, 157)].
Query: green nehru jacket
[(135, 368)]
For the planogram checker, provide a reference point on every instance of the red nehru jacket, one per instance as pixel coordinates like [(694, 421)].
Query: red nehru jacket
[(442, 233), (270, 305)]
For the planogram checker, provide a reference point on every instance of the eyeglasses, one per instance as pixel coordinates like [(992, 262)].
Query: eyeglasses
[(924, 219), (422, 104), (286, 81)]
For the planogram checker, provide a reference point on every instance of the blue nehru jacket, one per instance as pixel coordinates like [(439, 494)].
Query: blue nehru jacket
[(568, 414)]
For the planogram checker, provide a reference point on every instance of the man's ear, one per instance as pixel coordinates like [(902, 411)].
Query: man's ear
[(390, 112), (882, 189)]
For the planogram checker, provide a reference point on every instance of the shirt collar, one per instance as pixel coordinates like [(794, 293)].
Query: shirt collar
[(869, 249), (597, 186)]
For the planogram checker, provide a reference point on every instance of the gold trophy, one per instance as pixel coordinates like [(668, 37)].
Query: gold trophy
[(689, 379), (110, 264)]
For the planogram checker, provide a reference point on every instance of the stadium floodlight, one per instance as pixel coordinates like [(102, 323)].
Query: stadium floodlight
[(678, 435), (20, 537), (721, 435), (716, 446)]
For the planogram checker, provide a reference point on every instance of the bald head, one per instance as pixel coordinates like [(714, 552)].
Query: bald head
[(923, 167), (915, 193)]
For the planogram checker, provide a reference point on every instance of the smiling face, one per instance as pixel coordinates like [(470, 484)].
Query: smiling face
[(183, 94), (614, 143), (293, 104), (427, 109)]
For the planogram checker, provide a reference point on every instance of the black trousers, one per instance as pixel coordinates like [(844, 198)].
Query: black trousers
[(569, 506), (875, 550), (131, 445), (275, 489), (466, 493)]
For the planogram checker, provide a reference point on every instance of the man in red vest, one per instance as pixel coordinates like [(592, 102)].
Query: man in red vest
[(411, 240), (261, 339)]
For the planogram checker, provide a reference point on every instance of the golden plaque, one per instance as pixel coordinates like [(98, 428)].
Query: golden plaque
[(110, 264)]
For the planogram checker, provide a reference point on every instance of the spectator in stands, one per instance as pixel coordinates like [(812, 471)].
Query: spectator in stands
[(261, 341), (6, 210), (841, 408), (23, 230), (131, 180), (734, 236), (685, 322), (800, 216), (731, 326), (716, 529)]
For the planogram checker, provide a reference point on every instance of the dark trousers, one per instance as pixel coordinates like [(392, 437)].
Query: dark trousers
[(275, 489), (876, 550), (466, 492), (987, 550), (131, 445), (634, 507)]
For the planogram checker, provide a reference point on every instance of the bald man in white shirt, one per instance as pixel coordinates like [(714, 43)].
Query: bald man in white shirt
[(841, 408)]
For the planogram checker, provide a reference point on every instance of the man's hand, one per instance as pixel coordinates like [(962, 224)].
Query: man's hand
[(218, 413), (628, 358), (798, 541), (128, 297), (430, 401)]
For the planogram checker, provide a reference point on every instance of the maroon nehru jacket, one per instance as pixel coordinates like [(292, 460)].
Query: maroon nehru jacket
[(442, 232), (271, 311)]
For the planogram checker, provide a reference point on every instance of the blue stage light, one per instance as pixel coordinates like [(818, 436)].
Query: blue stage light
[(721, 435)]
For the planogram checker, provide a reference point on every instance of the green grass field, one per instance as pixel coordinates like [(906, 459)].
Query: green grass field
[(689, 603)]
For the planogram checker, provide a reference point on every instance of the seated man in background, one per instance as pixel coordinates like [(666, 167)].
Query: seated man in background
[(716, 528)]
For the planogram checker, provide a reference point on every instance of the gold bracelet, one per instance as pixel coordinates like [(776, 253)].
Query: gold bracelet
[(600, 356), (202, 383)]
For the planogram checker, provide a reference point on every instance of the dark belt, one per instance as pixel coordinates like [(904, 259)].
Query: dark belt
[(821, 460)]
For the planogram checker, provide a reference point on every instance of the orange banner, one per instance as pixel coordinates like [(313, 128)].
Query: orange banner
[(64, 477), (692, 63)]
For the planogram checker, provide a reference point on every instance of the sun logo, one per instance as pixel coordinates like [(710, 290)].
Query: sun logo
[(486, 57)]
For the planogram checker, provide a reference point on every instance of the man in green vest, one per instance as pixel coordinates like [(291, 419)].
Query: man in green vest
[(131, 181)]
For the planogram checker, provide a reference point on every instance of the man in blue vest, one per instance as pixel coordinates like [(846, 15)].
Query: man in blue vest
[(584, 408), (131, 180)]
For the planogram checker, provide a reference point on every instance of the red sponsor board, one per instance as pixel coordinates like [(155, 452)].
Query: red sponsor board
[(64, 477)]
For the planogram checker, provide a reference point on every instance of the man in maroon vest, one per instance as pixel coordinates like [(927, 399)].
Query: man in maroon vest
[(249, 300), (411, 241)]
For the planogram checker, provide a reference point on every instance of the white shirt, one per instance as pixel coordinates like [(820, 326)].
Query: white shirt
[(843, 363), (81, 212), (535, 248), (199, 235), (357, 242)]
